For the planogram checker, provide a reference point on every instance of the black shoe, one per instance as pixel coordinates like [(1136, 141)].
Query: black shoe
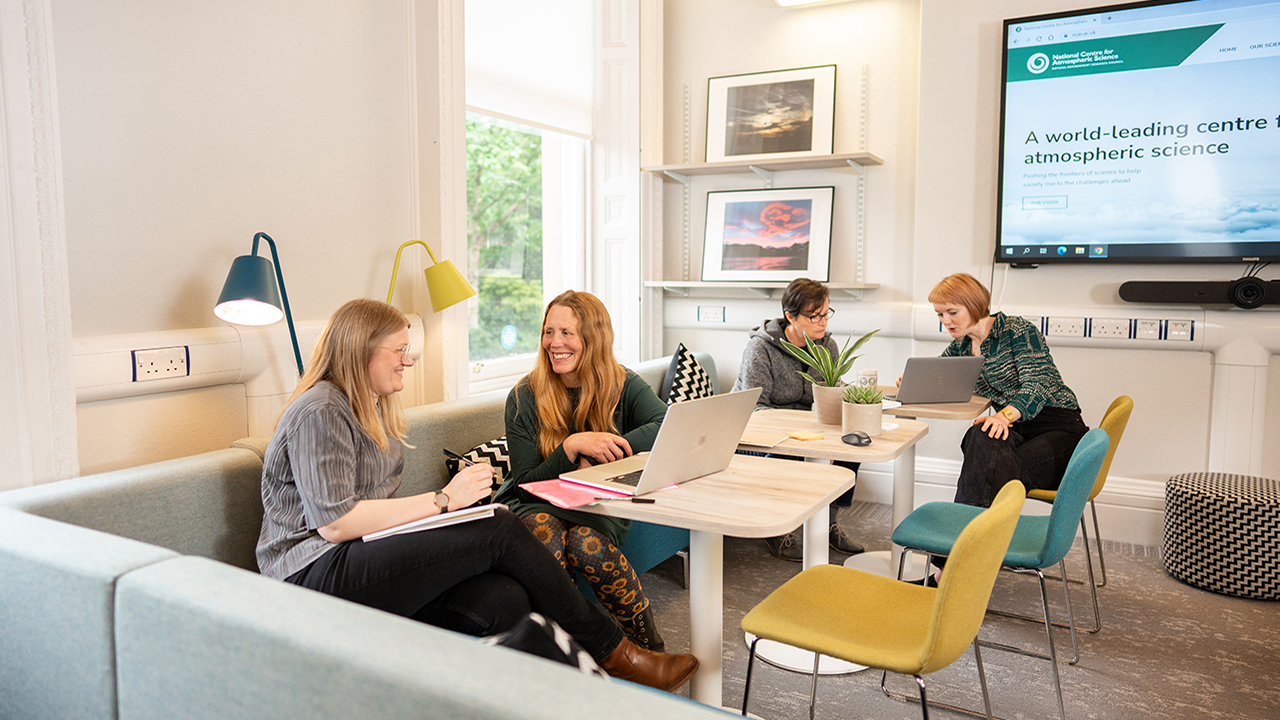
[(841, 542), (643, 631), (785, 547)]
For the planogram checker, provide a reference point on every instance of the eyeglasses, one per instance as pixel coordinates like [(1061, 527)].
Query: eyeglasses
[(818, 317), (403, 352)]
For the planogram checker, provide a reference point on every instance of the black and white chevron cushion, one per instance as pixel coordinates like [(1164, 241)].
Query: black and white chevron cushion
[(1222, 533), (685, 379), (493, 452)]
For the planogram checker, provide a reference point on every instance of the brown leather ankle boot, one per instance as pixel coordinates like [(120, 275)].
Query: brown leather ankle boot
[(657, 670)]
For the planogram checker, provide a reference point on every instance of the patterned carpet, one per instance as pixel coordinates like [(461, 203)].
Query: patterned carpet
[(1166, 649)]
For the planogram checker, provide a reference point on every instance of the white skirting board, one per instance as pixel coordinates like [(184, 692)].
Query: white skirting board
[(1130, 510)]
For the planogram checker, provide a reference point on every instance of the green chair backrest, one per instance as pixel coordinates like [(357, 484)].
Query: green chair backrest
[(965, 589), (1073, 495)]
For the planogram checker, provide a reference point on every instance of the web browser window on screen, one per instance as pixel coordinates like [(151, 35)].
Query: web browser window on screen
[(1142, 133)]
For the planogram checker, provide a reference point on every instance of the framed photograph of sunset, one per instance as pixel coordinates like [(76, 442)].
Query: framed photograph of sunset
[(771, 115), (768, 235)]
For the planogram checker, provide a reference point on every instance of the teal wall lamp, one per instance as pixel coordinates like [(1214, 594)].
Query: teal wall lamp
[(254, 293)]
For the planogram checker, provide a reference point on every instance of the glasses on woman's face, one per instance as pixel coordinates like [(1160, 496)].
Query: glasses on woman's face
[(819, 317), (403, 352)]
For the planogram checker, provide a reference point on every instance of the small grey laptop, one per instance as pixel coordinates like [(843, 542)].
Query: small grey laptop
[(938, 380), (697, 438)]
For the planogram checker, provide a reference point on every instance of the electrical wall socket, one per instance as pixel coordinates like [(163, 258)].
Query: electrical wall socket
[(160, 363), (1147, 330), (711, 313), (1109, 328), (1179, 330), (1066, 327)]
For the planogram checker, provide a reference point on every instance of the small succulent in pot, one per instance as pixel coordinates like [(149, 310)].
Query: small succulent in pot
[(862, 395)]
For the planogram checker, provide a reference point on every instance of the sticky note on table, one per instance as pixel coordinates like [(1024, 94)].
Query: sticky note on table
[(804, 435)]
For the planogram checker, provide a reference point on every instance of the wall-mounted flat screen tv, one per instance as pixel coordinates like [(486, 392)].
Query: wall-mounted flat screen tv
[(1146, 132)]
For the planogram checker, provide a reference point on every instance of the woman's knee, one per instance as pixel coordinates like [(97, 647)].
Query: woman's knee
[(482, 605)]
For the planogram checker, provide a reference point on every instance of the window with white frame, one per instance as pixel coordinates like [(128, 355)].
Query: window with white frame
[(528, 143)]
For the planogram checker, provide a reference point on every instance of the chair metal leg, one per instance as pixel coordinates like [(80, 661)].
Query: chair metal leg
[(982, 678), (813, 686), (1071, 618), (684, 558), (1053, 655), (1097, 535), (751, 661), (1093, 587), (1097, 619)]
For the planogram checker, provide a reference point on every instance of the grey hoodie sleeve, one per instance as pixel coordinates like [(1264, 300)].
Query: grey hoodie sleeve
[(756, 371)]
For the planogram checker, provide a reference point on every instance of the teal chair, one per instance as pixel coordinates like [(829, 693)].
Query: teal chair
[(1039, 541)]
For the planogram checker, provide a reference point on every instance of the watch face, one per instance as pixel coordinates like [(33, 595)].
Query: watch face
[(442, 500)]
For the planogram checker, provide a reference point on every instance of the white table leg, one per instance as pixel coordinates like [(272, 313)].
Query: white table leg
[(706, 614), (904, 500)]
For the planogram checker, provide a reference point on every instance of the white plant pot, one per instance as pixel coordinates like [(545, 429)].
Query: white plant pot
[(861, 417), (826, 404)]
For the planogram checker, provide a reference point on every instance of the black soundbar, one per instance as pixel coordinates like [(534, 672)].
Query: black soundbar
[(1247, 292)]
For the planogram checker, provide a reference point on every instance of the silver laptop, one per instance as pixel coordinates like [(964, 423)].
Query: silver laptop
[(938, 380), (697, 438)]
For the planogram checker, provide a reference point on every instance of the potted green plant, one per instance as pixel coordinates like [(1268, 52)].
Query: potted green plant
[(862, 409), (830, 371)]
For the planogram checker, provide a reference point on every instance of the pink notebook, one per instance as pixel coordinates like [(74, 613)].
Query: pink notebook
[(566, 494)]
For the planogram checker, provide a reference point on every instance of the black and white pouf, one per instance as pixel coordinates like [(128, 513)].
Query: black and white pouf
[(1222, 533)]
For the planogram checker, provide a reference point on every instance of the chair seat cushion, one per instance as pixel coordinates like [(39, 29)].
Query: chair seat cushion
[(825, 609), (934, 527)]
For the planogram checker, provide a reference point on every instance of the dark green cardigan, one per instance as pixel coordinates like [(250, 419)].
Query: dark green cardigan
[(638, 416)]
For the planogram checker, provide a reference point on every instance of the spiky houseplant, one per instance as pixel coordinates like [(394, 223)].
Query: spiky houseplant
[(819, 358), (862, 395)]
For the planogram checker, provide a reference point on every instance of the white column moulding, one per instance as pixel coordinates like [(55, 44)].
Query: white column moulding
[(37, 402)]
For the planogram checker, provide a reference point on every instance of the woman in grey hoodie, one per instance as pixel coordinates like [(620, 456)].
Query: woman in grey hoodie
[(806, 307)]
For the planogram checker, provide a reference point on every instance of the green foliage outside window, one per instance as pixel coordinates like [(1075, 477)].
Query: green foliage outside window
[(504, 237)]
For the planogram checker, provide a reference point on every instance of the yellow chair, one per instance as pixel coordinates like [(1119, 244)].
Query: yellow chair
[(884, 623), (1114, 422)]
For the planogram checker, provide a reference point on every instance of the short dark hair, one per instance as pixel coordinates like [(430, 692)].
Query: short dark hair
[(803, 296)]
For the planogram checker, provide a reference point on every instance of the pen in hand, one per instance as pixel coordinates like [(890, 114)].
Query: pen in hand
[(469, 461)]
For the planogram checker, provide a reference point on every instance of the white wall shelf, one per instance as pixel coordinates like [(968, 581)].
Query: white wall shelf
[(686, 288), (765, 168)]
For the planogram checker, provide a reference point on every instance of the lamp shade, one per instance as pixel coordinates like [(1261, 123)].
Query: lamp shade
[(446, 285), (250, 295)]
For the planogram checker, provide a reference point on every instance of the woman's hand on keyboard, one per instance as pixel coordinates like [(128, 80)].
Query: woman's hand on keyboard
[(603, 447)]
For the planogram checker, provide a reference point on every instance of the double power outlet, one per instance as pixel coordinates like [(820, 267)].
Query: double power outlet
[(160, 363)]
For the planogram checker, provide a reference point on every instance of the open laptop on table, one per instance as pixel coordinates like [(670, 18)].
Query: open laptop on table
[(928, 380), (697, 438)]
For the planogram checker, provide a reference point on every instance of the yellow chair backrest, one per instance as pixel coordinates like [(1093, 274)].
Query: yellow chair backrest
[(965, 588), (1114, 422)]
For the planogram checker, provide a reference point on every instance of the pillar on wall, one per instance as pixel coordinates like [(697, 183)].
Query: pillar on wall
[(1239, 407)]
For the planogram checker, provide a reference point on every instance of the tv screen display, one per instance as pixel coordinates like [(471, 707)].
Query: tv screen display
[(1147, 132)]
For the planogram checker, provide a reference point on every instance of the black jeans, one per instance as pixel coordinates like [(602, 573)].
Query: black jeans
[(478, 577), (1036, 452)]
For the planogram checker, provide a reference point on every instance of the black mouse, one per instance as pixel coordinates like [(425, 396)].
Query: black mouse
[(857, 437)]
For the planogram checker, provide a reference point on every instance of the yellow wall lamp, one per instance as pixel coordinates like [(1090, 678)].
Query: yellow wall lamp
[(445, 283)]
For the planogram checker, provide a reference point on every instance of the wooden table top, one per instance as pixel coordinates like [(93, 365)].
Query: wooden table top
[(884, 447), (755, 497)]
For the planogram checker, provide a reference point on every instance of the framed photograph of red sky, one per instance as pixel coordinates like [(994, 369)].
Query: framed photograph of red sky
[(771, 115), (772, 235)]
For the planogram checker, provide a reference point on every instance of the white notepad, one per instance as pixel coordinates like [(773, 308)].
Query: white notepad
[(437, 521)]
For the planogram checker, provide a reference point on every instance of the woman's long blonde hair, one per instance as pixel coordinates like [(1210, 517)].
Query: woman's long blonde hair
[(600, 376), (341, 357)]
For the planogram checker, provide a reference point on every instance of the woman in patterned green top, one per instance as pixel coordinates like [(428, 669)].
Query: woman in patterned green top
[(580, 407), (1037, 424)]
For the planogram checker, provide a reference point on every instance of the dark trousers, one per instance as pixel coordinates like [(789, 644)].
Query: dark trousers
[(1036, 452), (478, 577)]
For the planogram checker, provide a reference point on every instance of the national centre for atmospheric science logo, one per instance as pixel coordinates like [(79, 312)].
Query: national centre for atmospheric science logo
[(1038, 63)]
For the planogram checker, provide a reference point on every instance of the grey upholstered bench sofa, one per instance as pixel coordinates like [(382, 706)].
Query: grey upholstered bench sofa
[(134, 594)]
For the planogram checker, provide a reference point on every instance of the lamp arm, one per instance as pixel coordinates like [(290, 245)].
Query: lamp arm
[(284, 296), (396, 268)]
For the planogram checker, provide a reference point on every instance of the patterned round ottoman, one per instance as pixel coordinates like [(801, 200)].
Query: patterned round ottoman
[(1222, 533)]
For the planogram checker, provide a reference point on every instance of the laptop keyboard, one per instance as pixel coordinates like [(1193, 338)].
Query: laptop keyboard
[(630, 478)]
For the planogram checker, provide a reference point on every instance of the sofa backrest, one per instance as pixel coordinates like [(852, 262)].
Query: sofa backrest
[(218, 643), (208, 504), (57, 616), (458, 425)]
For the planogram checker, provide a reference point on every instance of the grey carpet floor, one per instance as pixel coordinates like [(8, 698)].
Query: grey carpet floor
[(1166, 649)]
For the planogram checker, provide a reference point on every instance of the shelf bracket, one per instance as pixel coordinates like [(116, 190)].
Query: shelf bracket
[(855, 293), (678, 177), (682, 292), (861, 170), (766, 174), (766, 292)]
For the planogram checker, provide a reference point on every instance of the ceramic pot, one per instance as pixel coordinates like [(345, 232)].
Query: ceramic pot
[(826, 404), (866, 418)]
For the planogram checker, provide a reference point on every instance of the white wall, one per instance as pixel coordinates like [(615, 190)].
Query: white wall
[(188, 127)]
